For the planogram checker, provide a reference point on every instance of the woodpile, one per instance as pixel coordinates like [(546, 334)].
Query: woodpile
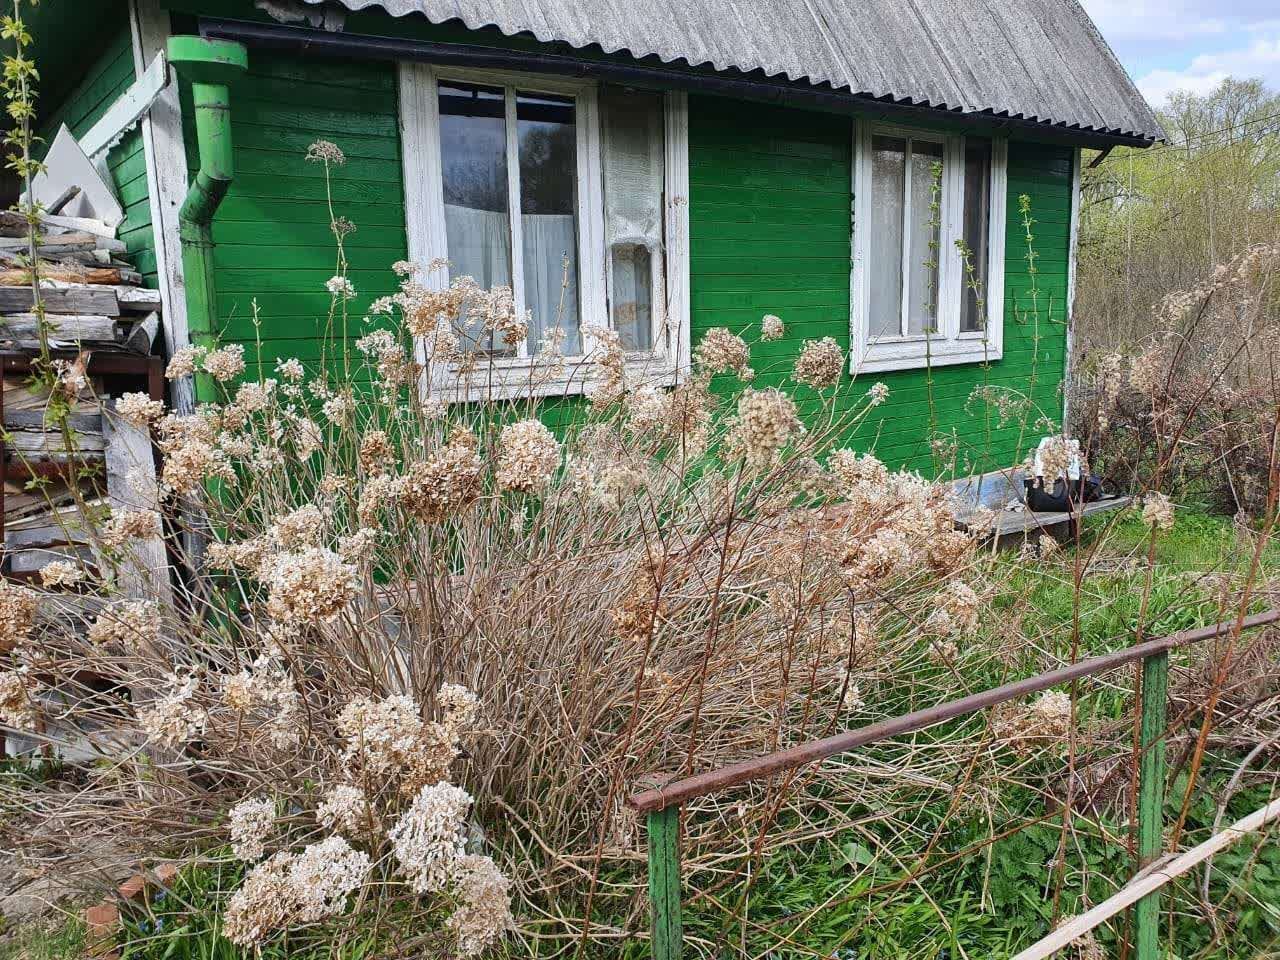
[(91, 296), (103, 325)]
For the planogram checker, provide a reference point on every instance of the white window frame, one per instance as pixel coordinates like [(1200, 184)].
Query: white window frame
[(948, 345), (511, 377)]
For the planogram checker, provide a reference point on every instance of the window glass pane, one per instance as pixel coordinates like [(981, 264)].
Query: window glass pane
[(923, 251), (545, 127), (473, 148), (977, 212), (884, 254), (633, 160), (631, 292)]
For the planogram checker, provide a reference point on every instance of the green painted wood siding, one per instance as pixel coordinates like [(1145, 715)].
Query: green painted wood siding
[(769, 209), (110, 74), (770, 200), (274, 246)]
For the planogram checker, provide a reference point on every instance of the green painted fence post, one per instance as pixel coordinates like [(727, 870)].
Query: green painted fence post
[(1151, 774), (664, 883)]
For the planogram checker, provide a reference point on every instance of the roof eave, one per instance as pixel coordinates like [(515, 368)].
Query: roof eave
[(732, 82)]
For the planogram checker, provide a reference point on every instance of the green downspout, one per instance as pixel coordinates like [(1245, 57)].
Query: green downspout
[(210, 66)]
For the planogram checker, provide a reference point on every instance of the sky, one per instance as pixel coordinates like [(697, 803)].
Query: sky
[(1169, 45)]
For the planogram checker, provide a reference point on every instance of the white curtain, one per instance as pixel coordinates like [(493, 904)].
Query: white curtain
[(884, 253), (548, 240), (479, 247)]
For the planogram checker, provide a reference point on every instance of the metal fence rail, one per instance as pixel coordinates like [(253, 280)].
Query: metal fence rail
[(663, 803)]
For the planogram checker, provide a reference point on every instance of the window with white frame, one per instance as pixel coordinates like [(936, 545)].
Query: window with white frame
[(927, 283), (570, 193)]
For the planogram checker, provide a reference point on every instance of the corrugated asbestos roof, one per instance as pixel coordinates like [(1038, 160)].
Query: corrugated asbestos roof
[(1038, 60)]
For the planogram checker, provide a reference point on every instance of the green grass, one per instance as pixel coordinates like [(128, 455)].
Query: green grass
[(998, 899), (62, 940), (851, 897)]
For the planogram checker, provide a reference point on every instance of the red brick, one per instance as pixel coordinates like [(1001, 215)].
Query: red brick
[(103, 922), (133, 888)]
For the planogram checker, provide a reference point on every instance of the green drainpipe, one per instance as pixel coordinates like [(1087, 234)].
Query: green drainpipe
[(210, 66)]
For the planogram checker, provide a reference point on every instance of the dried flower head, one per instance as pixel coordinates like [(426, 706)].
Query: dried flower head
[(388, 741), (1157, 511), (820, 363), (458, 705), (17, 614), (294, 888), (484, 912), (252, 397), (290, 369), (721, 351), (60, 574), (311, 586), (72, 376), (376, 451), (528, 456), (139, 409), (433, 490), (767, 421), (17, 709), (771, 327), (300, 528), (127, 625), (126, 526), (955, 612), (175, 717), (1046, 722), (430, 836), (340, 288), (345, 809), (326, 152), (225, 363), (877, 394), (648, 411), (250, 824), (184, 362)]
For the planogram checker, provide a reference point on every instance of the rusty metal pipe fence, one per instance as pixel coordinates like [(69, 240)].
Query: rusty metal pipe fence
[(663, 803)]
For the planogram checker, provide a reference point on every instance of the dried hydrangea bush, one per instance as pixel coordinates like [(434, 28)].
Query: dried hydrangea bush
[(1192, 408), (418, 652)]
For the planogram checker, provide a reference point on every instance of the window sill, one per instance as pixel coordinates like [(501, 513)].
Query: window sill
[(882, 357), (518, 381)]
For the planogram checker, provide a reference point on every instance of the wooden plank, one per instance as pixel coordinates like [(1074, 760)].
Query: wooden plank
[(71, 239), (101, 301), (1157, 877), (13, 224), (40, 537), (128, 109), (1151, 787), (64, 327), (57, 224), (144, 572), (664, 883), (48, 445), (137, 298), (33, 561), (143, 333), (33, 419), (57, 205), (20, 276)]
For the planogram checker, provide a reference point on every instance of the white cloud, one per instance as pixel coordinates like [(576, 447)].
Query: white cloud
[(1178, 19), (1261, 58), (1158, 84)]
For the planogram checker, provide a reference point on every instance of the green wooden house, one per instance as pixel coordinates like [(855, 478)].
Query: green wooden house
[(694, 163)]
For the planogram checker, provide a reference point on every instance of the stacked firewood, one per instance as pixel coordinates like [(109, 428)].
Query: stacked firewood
[(101, 326), (90, 295)]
